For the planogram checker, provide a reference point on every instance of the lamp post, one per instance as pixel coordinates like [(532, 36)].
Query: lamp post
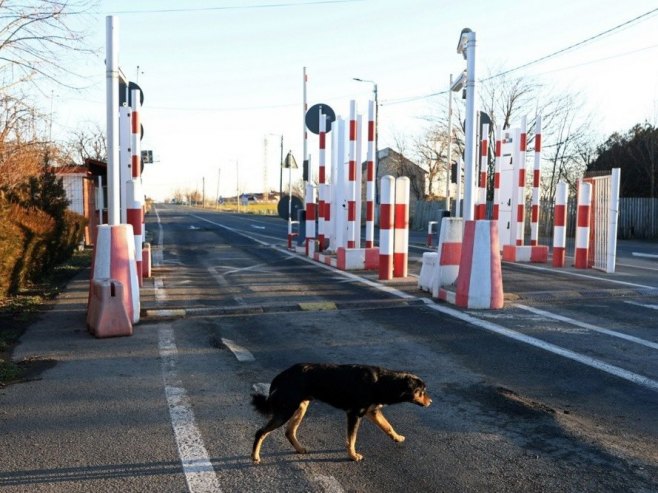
[(374, 90), (455, 86), (466, 48)]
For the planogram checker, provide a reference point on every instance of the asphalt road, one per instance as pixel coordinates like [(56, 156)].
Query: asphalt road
[(558, 391)]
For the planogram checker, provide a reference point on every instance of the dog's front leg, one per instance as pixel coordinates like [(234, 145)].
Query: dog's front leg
[(353, 421), (377, 417)]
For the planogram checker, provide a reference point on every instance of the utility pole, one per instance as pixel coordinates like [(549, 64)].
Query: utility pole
[(219, 172), (203, 192)]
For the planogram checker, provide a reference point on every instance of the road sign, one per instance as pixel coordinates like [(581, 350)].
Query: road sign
[(312, 118)]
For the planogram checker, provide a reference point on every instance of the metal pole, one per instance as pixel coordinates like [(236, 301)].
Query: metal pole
[(219, 172), (449, 157), (112, 110), (469, 151), (281, 171), (376, 144)]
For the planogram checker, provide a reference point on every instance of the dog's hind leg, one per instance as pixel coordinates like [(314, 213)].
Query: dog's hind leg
[(377, 417), (277, 420), (353, 421), (293, 424)]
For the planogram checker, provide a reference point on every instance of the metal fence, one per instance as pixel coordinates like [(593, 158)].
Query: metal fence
[(638, 217)]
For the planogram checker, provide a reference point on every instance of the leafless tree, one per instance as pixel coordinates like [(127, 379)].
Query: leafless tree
[(566, 138), (35, 36), (88, 142)]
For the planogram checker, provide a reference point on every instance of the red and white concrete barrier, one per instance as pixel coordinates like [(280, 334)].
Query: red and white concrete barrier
[(430, 232), (106, 313), (560, 226), (525, 253), (114, 258), (479, 282), (386, 232), (401, 241), (582, 225), (449, 250)]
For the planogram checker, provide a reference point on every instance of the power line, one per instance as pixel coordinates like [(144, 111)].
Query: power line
[(233, 7), (537, 60), (575, 45)]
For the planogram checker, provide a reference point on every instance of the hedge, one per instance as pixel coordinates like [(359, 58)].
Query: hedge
[(32, 243)]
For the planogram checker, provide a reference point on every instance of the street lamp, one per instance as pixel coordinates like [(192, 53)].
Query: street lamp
[(466, 48), (374, 90)]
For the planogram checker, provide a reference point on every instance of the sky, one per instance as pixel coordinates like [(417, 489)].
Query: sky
[(223, 80)]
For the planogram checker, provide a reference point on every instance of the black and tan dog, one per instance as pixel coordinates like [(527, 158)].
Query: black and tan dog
[(357, 389)]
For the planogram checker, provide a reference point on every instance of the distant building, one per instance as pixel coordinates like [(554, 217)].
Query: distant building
[(79, 186), (395, 164)]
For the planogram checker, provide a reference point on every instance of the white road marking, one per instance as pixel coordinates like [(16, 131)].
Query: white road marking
[(586, 276), (199, 473), (157, 252), (242, 354), (591, 327), (547, 346), (643, 305), (483, 324), (644, 255), (158, 286)]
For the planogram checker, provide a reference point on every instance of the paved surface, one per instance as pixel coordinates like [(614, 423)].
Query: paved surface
[(65, 447)]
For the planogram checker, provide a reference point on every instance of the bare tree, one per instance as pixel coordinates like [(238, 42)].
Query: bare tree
[(565, 125), (86, 143), (35, 36)]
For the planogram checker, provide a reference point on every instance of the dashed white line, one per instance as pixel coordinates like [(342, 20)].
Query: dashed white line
[(199, 473), (585, 325), (242, 354), (643, 305)]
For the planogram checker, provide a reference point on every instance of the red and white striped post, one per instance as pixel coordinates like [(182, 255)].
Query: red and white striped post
[(351, 180), (560, 225), (322, 180), (386, 233), (134, 192), (481, 207), (370, 178), (582, 225), (401, 240), (536, 176), (498, 152), (309, 197), (520, 205)]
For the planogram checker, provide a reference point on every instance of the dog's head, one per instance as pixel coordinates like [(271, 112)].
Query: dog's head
[(418, 391)]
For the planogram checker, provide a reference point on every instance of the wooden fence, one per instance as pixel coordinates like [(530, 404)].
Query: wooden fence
[(638, 217)]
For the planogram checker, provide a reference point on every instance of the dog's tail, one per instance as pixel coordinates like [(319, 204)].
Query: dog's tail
[(261, 404)]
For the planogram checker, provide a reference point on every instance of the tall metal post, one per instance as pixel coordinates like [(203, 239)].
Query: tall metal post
[(449, 157), (469, 151), (112, 113)]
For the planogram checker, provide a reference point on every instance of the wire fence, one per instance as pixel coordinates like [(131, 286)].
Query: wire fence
[(638, 217)]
